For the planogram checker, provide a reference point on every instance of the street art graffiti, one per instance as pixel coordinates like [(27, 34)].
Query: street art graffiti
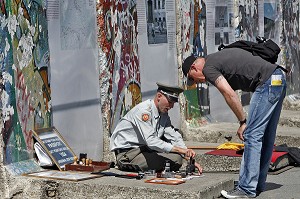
[(199, 43), (291, 43), (118, 58), (200, 50), (272, 16), (25, 91), (246, 19), (194, 42), (207, 23), (186, 44)]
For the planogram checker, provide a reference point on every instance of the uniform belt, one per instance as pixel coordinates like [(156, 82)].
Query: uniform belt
[(117, 151)]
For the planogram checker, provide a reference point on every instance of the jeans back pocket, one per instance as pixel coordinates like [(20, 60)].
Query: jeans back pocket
[(275, 93)]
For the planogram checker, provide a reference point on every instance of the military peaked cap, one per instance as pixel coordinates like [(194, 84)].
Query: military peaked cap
[(171, 92)]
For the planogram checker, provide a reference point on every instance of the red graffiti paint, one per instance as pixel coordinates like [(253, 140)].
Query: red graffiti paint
[(117, 37), (24, 108)]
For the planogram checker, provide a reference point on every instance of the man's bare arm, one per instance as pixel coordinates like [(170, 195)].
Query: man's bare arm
[(231, 97)]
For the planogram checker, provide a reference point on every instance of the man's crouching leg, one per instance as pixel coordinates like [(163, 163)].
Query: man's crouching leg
[(124, 160), (157, 161), (137, 160)]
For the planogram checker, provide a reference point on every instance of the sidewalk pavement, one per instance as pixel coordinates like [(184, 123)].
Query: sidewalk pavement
[(285, 185)]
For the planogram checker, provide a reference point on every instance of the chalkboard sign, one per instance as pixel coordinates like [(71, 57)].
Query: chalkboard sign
[(55, 146)]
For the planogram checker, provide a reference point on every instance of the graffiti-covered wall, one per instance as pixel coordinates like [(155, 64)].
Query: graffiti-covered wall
[(205, 24), (25, 91), (202, 25), (118, 60), (193, 36), (291, 43)]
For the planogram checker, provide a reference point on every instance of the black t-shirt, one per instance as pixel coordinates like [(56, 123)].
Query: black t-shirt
[(241, 69)]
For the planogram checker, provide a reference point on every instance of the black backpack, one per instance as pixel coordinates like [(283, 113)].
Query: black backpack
[(266, 49)]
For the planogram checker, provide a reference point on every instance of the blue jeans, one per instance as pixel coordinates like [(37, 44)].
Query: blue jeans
[(259, 136)]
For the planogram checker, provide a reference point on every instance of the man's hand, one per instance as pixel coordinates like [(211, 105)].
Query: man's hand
[(186, 152), (240, 131), (190, 153), (200, 170)]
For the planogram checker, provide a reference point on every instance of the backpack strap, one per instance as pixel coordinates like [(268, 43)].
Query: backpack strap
[(284, 69)]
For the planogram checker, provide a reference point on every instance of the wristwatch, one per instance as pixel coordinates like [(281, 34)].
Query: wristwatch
[(243, 122)]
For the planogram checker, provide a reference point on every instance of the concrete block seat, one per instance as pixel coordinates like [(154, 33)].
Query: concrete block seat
[(208, 186), (215, 134)]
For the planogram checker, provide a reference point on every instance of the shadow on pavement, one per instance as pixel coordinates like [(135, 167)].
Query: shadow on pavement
[(271, 186)]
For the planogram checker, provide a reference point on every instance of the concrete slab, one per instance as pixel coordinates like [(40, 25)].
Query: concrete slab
[(213, 135), (290, 118), (217, 133), (208, 186)]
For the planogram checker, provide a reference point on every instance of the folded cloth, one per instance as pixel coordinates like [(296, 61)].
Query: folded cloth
[(225, 152), (231, 146)]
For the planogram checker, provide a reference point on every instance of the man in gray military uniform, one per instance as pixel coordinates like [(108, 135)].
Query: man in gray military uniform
[(145, 139)]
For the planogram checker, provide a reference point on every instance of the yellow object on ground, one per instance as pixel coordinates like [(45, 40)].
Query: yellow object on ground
[(231, 145)]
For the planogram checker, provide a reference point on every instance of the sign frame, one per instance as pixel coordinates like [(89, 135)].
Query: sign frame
[(54, 132)]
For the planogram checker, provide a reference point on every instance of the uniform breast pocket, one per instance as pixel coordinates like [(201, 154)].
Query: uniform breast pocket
[(275, 93)]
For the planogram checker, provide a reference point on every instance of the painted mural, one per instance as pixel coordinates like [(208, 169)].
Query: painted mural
[(208, 23), (194, 42), (245, 20), (25, 91), (291, 43), (24, 58), (272, 15), (118, 58), (199, 43)]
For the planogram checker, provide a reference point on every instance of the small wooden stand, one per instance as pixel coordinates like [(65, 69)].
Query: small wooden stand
[(93, 167)]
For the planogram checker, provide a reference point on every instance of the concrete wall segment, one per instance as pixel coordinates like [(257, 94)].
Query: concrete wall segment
[(118, 63), (290, 41), (25, 90)]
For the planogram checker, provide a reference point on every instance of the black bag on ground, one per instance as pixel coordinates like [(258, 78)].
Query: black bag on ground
[(266, 49), (294, 152)]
